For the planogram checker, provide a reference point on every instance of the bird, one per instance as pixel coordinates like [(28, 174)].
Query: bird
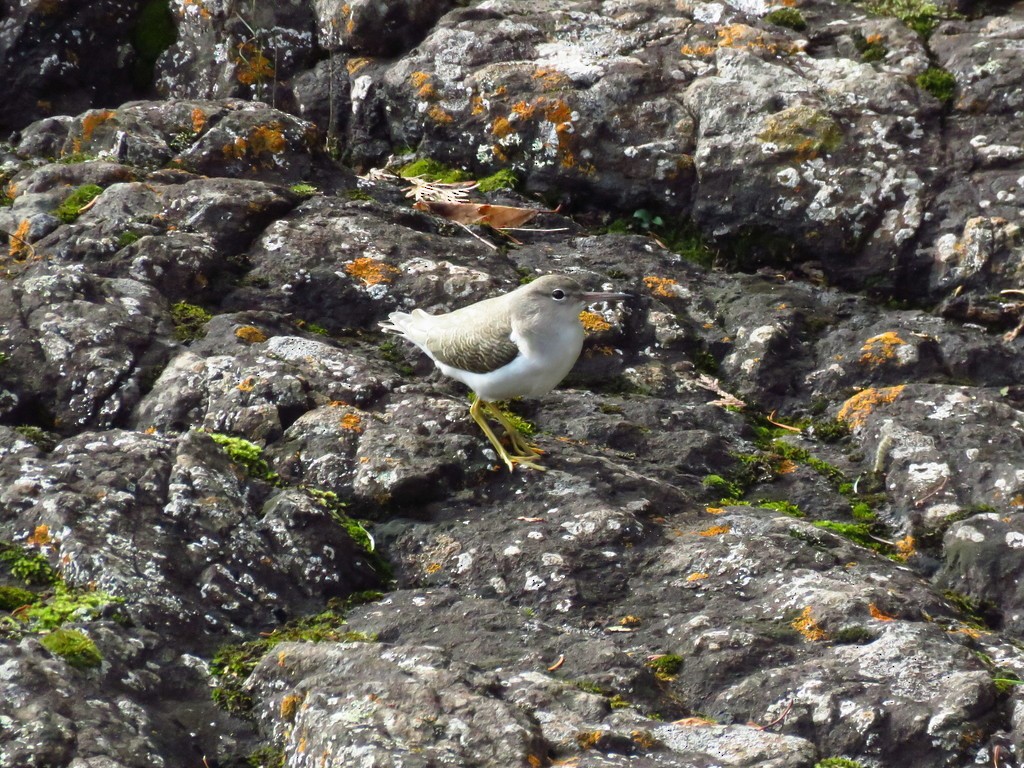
[(519, 344)]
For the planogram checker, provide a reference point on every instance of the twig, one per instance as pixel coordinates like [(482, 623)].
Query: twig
[(779, 719), (492, 246), (931, 493), (771, 420)]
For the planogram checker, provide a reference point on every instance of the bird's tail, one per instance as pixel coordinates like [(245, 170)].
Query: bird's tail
[(400, 323)]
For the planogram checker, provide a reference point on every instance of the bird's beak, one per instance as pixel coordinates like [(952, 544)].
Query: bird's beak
[(592, 297)]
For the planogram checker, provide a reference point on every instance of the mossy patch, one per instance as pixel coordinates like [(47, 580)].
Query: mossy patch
[(838, 762), (432, 170), (790, 18), (234, 663), (803, 130), (665, 667), (919, 15), (155, 32), (939, 83), (12, 598), (503, 179), (26, 566), (40, 438), (189, 321), (247, 455), (73, 204), (66, 604), (74, 647), (681, 236), (303, 189), (127, 238), (870, 49)]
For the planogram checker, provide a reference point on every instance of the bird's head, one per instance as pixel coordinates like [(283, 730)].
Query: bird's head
[(563, 295)]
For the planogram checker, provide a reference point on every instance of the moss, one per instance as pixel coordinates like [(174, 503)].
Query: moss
[(304, 190), (980, 614), (681, 236), (723, 487), (503, 179), (859, 533), (154, 33), (853, 636), (618, 702), (73, 204), (182, 140), (1005, 680), (665, 667), (920, 15), (266, 757), (524, 427), (247, 455), (802, 130), (785, 507), (869, 50), (390, 350), (357, 194), (830, 430), (12, 598), (232, 664), (837, 762), (189, 321), (74, 158), (43, 440), (589, 686), (863, 512), (67, 604), (432, 170), (787, 17), (74, 647), (126, 238), (28, 567), (319, 330), (939, 83)]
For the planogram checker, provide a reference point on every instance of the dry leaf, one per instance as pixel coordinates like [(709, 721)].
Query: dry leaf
[(496, 216)]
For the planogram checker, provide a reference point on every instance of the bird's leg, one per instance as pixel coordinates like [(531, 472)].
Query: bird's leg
[(519, 443), (510, 460)]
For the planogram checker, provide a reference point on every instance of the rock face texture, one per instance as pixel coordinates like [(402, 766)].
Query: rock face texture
[(783, 513)]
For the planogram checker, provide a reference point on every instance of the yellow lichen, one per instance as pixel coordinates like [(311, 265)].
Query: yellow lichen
[(356, 64), (588, 739), (419, 79), (558, 112), (248, 385), (290, 706), (808, 627), (438, 115), (906, 548), (856, 410), (501, 127), (696, 577), (250, 334), (593, 322), (715, 530), (370, 271), (629, 621), (878, 614), (432, 568), (40, 537), (880, 349), (18, 247), (661, 286), (351, 422)]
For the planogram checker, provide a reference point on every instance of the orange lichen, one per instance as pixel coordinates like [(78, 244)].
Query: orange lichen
[(714, 510), (501, 127), (878, 614), (419, 79), (661, 286), (808, 627), (588, 739), (289, 706), (370, 271), (253, 66), (92, 120), (438, 115), (856, 410), (356, 64), (715, 530), (558, 112), (523, 110), (593, 322), (40, 537), (643, 739), (198, 119), (432, 568), (427, 92), (476, 105), (906, 548), (696, 577), (880, 349), (1017, 501), (18, 246), (267, 138), (700, 50), (248, 385), (250, 334), (786, 467), (629, 621), (351, 422)]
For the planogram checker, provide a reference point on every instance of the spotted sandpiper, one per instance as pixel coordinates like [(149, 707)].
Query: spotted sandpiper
[(520, 344)]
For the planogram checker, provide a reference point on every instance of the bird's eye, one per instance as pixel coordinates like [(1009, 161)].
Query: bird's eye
[(558, 294)]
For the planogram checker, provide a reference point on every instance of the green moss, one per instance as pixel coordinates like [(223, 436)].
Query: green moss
[(319, 330), (266, 757), (802, 130), (74, 158), (939, 83), (183, 140), (247, 455), (610, 409), (618, 702), (837, 762), (126, 238), (859, 533), (73, 204), (723, 487), (1005, 680), (233, 663), (391, 351), (503, 179), (787, 17), (853, 636), (189, 321), (155, 32), (920, 15), (303, 189), (12, 598), (980, 614), (74, 647), (357, 194), (830, 430), (66, 604), (432, 170), (523, 426), (28, 567), (588, 686), (43, 440), (665, 667), (863, 512), (785, 507), (869, 51)]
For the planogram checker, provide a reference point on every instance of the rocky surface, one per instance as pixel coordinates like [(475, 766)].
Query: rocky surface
[(781, 522)]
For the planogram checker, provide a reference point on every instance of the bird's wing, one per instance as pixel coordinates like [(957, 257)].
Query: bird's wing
[(473, 347)]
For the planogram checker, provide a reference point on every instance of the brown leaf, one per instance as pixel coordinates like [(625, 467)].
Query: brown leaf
[(497, 216)]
